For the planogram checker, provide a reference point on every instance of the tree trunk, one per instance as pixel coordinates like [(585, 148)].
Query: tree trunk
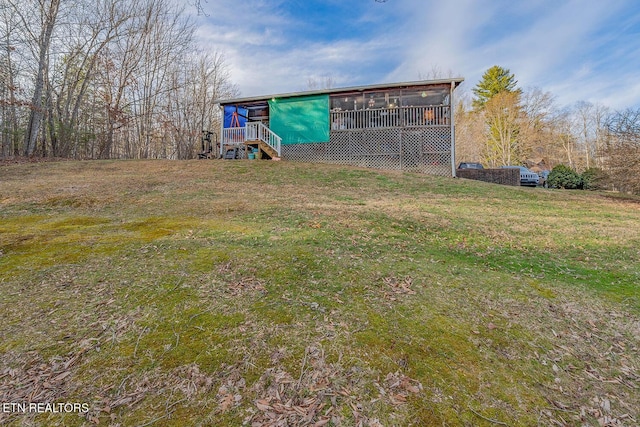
[(36, 115)]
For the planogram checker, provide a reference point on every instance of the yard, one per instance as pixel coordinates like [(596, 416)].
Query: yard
[(279, 293)]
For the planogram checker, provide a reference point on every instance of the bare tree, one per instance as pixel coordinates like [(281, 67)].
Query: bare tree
[(589, 121), (469, 132), (435, 73), (133, 77), (537, 109), (9, 101), (96, 25), (47, 14), (563, 139), (622, 150), (192, 109), (325, 81)]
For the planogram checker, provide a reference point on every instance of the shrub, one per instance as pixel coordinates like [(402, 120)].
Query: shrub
[(563, 176), (594, 179)]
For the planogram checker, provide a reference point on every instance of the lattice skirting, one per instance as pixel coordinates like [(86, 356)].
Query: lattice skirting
[(426, 150)]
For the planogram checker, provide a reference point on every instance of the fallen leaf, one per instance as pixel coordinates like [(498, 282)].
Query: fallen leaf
[(413, 389), (263, 405), (61, 376), (398, 399), (226, 402)]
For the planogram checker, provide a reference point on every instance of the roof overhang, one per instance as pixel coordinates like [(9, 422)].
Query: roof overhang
[(263, 98)]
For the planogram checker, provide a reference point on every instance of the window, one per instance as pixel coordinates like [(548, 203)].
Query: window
[(346, 102), (425, 96), (405, 107)]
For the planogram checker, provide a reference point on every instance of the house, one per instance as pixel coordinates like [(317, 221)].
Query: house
[(403, 126), (537, 165)]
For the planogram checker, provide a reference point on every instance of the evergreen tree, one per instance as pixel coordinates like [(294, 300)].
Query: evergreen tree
[(495, 80)]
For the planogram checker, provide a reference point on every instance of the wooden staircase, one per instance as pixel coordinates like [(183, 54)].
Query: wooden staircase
[(263, 138), (265, 151), (252, 135)]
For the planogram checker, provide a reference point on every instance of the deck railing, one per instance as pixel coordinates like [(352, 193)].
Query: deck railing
[(390, 117), (233, 136)]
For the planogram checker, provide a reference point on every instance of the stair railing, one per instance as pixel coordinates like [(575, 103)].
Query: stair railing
[(258, 131)]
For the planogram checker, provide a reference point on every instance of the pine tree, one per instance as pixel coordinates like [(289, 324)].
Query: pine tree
[(495, 80)]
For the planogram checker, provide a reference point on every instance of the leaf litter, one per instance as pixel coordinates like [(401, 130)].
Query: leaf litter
[(323, 392)]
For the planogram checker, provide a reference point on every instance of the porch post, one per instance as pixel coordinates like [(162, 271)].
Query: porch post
[(221, 154), (453, 130)]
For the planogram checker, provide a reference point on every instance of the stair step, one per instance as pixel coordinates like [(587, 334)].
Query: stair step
[(264, 147)]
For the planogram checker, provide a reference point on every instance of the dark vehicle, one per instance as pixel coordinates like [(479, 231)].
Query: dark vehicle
[(527, 177), (466, 165)]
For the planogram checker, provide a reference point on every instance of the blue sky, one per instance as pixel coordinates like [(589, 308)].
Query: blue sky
[(579, 50)]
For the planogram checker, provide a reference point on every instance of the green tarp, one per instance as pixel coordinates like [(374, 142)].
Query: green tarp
[(300, 120)]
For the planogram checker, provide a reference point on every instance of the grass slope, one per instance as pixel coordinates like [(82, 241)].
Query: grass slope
[(276, 293)]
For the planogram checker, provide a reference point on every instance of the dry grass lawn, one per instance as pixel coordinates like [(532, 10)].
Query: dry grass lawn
[(288, 294)]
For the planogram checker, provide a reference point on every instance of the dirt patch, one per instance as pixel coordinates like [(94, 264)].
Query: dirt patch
[(5, 161), (622, 198)]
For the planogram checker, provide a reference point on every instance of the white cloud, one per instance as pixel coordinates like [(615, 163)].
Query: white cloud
[(562, 47)]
